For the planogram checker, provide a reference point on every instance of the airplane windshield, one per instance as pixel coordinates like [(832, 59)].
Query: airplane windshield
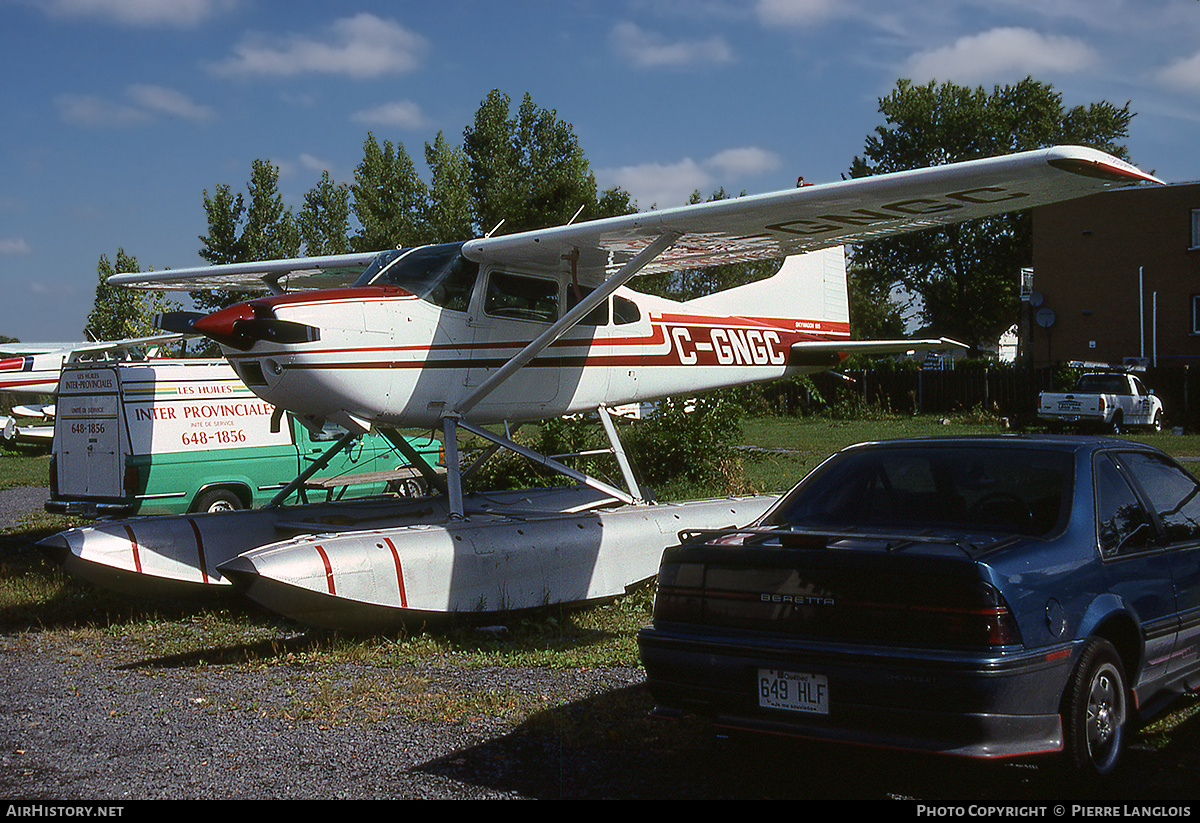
[(438, 274)]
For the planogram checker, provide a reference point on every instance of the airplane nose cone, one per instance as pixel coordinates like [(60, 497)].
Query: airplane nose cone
[(243, 325), (222, 325)]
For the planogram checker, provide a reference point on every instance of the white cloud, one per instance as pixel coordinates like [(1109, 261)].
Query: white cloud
[(648, 50), (1182, 75), (658, 185), (999, 53), (400, 113), (15, 245), (176, 13), (169, 102), (146, 104), (666, 185), (743, 161), (796, 12), (362, 46)]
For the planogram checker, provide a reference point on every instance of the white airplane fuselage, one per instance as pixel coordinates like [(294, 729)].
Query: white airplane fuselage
[(386, 356)]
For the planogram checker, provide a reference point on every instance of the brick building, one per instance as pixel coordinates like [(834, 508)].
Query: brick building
[(1116, 277)]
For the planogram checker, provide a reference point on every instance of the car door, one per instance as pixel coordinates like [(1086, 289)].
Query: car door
[(1137, 565), (1173, 496)]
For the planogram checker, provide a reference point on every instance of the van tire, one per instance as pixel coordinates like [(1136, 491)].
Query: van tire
[(217, 500)]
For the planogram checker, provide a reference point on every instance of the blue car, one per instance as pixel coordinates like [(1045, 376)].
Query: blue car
[(986, 597)]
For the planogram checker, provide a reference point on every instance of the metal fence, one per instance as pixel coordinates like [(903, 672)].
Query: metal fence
[(1002, 391)]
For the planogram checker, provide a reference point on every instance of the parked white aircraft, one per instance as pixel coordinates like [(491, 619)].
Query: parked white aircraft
[(538, 324), (33, 369)]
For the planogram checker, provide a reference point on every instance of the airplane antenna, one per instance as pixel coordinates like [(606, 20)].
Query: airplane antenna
[(498, 225), (576, 214)]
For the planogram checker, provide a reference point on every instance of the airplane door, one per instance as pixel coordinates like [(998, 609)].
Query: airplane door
[(512, 311)]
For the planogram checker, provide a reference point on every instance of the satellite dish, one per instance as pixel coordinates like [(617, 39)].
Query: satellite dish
[(1045, 317), (1036, 298)]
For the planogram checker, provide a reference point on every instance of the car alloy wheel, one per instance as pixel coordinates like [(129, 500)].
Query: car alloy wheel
[(1096, 709)]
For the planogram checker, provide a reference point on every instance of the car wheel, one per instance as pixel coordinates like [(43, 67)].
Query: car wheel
[(1156, 424), (1117, 421), (1096, 710), (218, 500)]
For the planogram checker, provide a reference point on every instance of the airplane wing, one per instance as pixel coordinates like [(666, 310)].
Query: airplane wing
[(805, 219), (77, 351), (302, 272), (764, 226)]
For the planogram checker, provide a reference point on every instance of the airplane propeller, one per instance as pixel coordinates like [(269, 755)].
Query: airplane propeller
[(239, 326)]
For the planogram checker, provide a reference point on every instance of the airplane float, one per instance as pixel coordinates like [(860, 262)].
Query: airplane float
[(523, 327), (34, 369)]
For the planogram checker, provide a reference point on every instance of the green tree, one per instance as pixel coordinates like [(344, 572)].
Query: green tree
[(119, 313), (324, 222), (527, 169), (389, 199), (238, 233), (965, 278), (448, 212)]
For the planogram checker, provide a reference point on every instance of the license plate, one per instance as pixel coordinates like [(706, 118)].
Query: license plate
[(794, 691)]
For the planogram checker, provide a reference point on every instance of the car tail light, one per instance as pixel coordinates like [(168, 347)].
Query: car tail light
[(878, 606), (679, 596), (975, 615)]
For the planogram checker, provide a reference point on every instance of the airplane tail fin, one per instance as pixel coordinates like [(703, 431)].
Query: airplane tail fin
[(808, 288)]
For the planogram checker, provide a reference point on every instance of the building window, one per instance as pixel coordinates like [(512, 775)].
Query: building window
[(1196, 314), (1196, 228)]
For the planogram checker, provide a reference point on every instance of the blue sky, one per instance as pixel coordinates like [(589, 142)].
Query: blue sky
[(118, 114)]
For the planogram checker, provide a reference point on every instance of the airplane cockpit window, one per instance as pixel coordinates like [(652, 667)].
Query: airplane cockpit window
[(522, 298), (438, 274)]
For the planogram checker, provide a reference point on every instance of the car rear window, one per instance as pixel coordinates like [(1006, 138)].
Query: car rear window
[(1017, 491)]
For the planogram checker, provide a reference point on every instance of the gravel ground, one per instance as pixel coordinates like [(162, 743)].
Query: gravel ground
[(91, 718)]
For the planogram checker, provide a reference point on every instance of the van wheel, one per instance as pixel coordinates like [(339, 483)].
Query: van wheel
[(218, 500), (1095, 710)]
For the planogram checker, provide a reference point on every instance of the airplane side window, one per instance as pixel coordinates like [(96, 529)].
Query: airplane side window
[(625, 311), (597, 316), (522, 298)]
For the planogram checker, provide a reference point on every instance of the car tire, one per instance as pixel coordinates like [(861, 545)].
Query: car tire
[(1156, 424), (1096, 710), (218, 500), (1118, 421)]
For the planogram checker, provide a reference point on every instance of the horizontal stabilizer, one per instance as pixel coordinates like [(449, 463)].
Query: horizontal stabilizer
[(829, 353)]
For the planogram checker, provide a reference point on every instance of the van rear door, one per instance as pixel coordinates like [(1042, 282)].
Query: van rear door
[(89, 434)]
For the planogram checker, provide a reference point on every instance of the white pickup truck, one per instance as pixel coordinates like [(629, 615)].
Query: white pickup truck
[(1112, 401)]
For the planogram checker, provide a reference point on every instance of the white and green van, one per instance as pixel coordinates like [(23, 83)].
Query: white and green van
[(186, 435)]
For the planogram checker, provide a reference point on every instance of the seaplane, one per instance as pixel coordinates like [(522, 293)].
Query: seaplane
[(500, 330), (34, 368)]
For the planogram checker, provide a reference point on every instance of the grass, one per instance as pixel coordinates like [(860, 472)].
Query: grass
[(37, 597), (24, 467)]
